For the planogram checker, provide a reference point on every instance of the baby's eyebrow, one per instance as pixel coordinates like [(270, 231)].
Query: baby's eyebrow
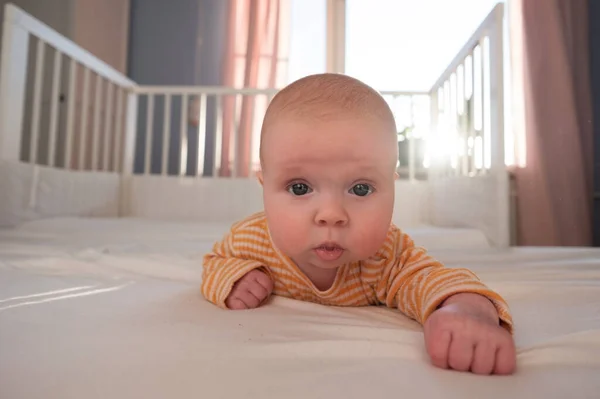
[(290, 169), (285, 172), (367, 172)]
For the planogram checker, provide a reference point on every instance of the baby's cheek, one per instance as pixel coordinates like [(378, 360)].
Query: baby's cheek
[(370, 241), (370, 235), (287, 229)]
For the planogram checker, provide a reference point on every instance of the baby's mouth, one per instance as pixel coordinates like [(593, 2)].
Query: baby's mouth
[(329, 251)]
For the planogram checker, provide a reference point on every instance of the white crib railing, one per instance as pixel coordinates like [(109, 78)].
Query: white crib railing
[(109, 123), (467, 105), (455, 129), (175, 122), (224, 124), (39, 124), (469, 179), (452, 135)]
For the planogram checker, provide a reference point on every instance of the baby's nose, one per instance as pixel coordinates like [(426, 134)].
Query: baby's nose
[(332, 215)]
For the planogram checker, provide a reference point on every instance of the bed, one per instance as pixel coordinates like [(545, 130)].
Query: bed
[(85, 312), (100, 264)]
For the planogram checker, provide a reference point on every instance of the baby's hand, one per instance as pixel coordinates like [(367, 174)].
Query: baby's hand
[(250, 291), (465, 335)]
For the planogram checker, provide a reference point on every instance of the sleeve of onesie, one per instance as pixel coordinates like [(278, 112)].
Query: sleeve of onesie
[(223, 267), (417, 284)]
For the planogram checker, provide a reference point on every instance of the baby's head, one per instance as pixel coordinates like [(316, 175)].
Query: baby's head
[(328, 157)]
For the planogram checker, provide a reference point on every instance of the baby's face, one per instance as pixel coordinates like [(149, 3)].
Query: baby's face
[(328, 189)]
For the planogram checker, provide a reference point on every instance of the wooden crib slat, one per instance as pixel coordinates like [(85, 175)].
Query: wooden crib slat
[(202, 134), (54, 107), (96, 130), (447, 112), (70, 114), (118, 157), (477, 108), (235, 140), (482, 106), (131, 102), (218, 134), (84, 117), (486, 108), (183, 142), (434, 115), (149, 126), (481, 95), (165, 136), (37, 101), (472, 116), (13, 84), (464, 133), (251, 141), (460, 86), (107, 125), (411, 142), (455, 124)]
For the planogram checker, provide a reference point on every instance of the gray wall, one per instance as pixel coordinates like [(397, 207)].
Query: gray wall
[(175, 43), (55, 13)]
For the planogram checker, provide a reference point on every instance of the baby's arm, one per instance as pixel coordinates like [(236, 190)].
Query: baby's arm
[(418, 285), (467, 326), (231, 280)]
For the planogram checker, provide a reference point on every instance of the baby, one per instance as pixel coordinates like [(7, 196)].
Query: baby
[(328, 156)]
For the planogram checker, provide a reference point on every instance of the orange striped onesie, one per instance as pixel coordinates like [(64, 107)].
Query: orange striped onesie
[(400, 275)]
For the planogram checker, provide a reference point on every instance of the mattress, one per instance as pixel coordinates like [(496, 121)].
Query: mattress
[(122, 233), (111, 308)]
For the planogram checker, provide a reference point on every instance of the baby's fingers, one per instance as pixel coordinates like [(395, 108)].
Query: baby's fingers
[(484, 358), (234, 303), (242, 298), (460, 354), (248, 298), (257, 290), (506, 358), (265, 281), (437, 346)]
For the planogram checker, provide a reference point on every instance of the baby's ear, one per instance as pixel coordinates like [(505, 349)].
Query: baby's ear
[(259, 176)]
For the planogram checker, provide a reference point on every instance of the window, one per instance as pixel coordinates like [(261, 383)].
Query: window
[(406, 44), (393, 45), (307, 38)]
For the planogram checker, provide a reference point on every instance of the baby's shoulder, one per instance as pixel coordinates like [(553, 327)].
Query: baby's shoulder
[(255, 221), (393, 237), (249, 238), (394, 242)]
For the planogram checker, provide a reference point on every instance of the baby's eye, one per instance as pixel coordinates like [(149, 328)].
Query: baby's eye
[(362, 190), (299, 189)]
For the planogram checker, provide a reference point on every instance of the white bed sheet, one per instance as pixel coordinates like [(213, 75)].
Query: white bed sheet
[(118, 314)]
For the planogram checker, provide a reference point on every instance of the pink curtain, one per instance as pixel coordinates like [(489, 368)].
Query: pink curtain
[(555, 187), (255, 58)]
